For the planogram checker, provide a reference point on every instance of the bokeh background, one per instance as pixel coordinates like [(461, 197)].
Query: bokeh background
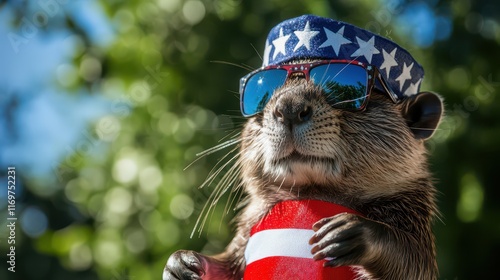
[(104, 103)]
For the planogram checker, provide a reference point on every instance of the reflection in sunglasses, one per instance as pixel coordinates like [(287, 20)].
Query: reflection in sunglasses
[(346, 84), (263, 101), (339, 96)]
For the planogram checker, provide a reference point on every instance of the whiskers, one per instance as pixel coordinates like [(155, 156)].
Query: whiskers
[(227, 169), (425, 129), (242, 66), (230, 180)]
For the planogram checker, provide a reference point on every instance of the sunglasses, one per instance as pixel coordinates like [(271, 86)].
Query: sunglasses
[(347, 84)]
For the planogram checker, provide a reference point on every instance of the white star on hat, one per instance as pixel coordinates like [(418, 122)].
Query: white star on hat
[(413, 88), (404, 76), (305, 37), (366, 49), (389, 61), (280, 44), (334, 40)]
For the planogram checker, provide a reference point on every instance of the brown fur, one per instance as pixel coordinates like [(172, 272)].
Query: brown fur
[(369, 161)]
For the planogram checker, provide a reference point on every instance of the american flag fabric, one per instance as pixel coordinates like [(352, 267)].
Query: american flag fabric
[(311, 36), (279, 248)]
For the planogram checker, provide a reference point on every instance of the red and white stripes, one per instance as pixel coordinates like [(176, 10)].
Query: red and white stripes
[(279, 248)]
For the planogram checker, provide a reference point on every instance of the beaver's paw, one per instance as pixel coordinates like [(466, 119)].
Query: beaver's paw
[(344, 239), (184, 265)]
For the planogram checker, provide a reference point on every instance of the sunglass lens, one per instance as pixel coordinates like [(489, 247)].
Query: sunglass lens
[(344, 84), (259, 88)]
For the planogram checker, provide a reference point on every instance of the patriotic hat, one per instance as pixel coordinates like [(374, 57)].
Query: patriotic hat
[(278, 247), (310, 36)]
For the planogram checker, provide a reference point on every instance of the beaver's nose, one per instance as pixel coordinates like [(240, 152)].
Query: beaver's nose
[(291, 111)]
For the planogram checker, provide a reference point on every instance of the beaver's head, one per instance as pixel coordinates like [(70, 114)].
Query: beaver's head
[(302, 144), (351, 123)]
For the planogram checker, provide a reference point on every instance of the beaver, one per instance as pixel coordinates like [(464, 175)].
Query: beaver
[(373, 161)]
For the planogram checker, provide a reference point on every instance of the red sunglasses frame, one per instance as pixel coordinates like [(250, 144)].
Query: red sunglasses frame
[(305, 68)]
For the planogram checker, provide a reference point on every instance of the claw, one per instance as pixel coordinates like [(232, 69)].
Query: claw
[(184, 265), (341, 239)]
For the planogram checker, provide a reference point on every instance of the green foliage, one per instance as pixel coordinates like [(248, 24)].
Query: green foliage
[(129, 203), (345, 96)]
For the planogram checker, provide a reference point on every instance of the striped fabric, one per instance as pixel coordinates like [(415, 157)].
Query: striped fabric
[(279, 248)]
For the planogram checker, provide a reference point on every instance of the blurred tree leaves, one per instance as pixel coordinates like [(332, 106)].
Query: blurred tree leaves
[(123, 202)]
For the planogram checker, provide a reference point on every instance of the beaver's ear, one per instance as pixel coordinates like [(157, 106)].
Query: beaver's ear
[(422, 113)]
